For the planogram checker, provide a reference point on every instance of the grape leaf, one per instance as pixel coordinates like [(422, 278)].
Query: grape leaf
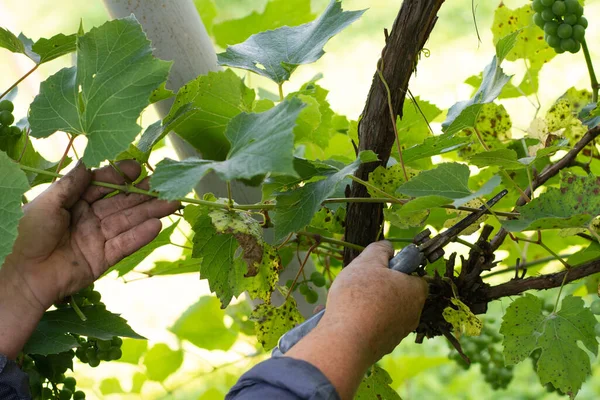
[(562, 363), (130, 262), (462, 319), (217, 98), (376, 386), (260, 143), (575, 204), (296, 208), (434, 145), (530, 43), (449, 180), (14, 184), (104, 95), (276, 13), (276, 54), (56, 46), (463, 114), (202, 325), (271, 322), (10, 42), (52, 333), (161, 361), (504, 158)]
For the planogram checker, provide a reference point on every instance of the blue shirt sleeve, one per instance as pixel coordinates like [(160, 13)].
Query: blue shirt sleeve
[(283, 378), (14, 383)]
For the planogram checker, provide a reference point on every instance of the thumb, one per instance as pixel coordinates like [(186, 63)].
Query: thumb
[(67, 190)]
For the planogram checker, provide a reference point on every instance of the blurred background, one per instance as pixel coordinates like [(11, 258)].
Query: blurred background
[(151, 306)]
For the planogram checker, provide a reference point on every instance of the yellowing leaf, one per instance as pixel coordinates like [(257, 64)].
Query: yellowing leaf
[(462, 319)]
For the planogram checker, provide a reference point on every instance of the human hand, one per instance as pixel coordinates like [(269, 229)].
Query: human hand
[(70, 234), (370, 309)]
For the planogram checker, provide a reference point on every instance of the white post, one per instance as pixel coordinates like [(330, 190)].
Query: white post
[(178, 34)]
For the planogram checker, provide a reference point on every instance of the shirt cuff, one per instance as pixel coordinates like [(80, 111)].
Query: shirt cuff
[(296, 377), (14, 383)]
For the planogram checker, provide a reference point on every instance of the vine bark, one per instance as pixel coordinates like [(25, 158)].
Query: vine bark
[(409, 33)]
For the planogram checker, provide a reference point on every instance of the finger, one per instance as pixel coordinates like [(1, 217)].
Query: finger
[(67, 190), (124, 220), (130, 168), (376, 254), (129, 242), (105, 207)]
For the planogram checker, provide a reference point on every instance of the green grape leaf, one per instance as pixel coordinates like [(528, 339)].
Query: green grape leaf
[(130, 262), (216, 97), (463, 114), (104, 95), (50, 336), (449, 180), (296, 208), (504, 158), (202, 325), (562, 363), (133, 350), (161, 361), (574, 205), (260, 143), (56, 46), (433, 146), (277, 53), (271, 322), (376, 386), (14, 184), (277, 13), (110, 386), (10, 42), (530, 43), (49, 342), (462, 319)]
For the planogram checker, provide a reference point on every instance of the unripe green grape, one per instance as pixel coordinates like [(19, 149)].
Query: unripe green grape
[(537, 6), (115, 353), (559, 8), (538, 20), (304, 289), (103, 344), (7, 105), (311, 297), (569, 45), (547, 14), (595, 307), (317, 279), (565, 31), (570, 19), (553, 41), (551, 27), (70, 382), (583, 22), (79, 395), (116, 341), (547, 3), (578, 32), (65, 394), (6, 118), (597, 329)]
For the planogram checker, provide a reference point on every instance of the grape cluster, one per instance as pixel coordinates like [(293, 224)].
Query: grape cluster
[(47, 379), (563, 23), (7, 119), (93, 350), (311, 296), (485, 350)]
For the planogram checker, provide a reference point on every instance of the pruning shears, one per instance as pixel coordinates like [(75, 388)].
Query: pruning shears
[(423, 250)]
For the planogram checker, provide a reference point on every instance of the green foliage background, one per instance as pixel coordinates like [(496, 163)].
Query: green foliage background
[(418, 371)]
